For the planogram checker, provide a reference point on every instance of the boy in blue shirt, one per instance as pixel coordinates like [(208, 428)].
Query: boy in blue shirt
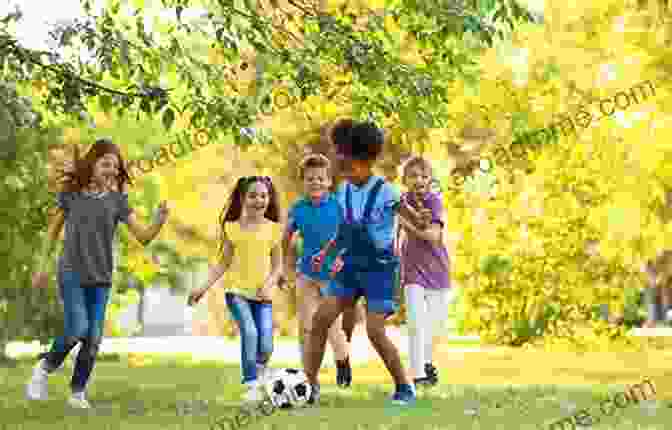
[(366, 264), (316, 217)]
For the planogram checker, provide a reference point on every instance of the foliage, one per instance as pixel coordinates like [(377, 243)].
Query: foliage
[(24, 201), (164, 72), (578, 217), (396, 65)]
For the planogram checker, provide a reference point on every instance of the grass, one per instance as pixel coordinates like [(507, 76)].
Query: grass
[(158, 396)]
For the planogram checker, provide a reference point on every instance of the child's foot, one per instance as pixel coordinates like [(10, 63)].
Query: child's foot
[(37, 388), (343, 373), (78, 401), (253, 394), (404, 396), (314, 398)]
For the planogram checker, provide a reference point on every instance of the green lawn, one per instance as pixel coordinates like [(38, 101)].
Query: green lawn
[(158, 397)]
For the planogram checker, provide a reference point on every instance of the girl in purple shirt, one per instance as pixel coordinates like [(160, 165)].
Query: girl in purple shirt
[(425, 269)]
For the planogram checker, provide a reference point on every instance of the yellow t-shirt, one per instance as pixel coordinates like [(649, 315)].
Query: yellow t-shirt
[(251, 262)]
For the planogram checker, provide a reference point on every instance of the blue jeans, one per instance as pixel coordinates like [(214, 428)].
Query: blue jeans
[(84, 309), (255, 321)]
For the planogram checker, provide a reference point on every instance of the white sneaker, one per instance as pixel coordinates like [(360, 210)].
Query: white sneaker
[(37, 388), (253, 394), (78, 401)]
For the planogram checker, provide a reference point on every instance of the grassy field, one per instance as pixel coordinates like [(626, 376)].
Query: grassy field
[(175, 393)]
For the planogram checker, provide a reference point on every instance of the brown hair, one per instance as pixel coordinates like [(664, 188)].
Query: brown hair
[(314, 161), (75, 182), (416, 161), (234, 209)]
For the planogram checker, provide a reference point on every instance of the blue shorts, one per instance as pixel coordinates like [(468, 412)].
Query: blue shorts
[(378, 287)]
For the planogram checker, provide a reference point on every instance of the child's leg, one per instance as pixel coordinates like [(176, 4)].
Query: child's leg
[(308, 298), (380, 290), (337, 340), (416, 307), (437, 311), (388, 352), (327, 312), (241, 312), (263, 320), (349, 321), (75, 320), (75, 327), (96, 305)]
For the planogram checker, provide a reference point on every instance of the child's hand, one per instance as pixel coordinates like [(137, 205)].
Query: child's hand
[(265, 293), (196, 295), (424, 218), (162, 213), (336, 267), (69, 167), (283, 284), (40, 280), (317, 261)]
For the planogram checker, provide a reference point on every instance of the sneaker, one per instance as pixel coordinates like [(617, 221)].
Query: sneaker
[(314, 399), (432, 373), (343, 373), (253, 394), (37, 388), (78, 401), (404, 397)]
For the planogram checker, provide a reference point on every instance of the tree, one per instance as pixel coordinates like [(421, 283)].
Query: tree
[(396, 65), (293, 43), (24, 202), (574, 215)]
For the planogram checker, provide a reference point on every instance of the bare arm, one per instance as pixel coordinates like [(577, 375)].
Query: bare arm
[(217, 270), (53, 233), (146, 234), (276, 264), (431, 234), (286, 245)]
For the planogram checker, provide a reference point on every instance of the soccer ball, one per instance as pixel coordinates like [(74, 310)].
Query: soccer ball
[(288, 388)]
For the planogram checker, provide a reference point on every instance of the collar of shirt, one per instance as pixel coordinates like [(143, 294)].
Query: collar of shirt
[(325, 197)]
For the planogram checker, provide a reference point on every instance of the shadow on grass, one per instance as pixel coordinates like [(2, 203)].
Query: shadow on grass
[(173, 394)]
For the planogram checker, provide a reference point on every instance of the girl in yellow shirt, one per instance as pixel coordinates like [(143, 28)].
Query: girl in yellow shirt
[(251, 265)]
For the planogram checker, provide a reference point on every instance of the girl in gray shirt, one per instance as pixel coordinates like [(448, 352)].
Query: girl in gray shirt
[(91, 206)]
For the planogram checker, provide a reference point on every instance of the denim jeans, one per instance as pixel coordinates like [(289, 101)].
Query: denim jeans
[(84, 308), (255, 321)]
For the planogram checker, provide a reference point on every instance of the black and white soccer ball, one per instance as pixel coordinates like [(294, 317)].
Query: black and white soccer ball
[(288, 388)]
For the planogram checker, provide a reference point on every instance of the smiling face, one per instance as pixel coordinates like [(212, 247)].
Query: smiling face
[(256, 199), (316, 182), (418, 178), (105, 169)]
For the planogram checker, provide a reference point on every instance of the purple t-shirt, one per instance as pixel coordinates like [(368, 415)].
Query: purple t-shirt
[(422, 262)]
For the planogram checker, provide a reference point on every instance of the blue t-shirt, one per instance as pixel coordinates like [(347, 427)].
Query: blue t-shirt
[(317, 224), (383, 216)]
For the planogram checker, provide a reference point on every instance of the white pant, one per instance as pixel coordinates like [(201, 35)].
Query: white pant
[(427, 311)]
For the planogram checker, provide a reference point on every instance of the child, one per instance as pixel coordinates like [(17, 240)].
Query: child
[(91, 206), (425, 270), (251, 258), (657, 293), (366, 265), (316, 217)]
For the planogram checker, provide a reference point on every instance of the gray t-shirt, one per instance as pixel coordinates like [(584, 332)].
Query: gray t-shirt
[(90, 226)]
